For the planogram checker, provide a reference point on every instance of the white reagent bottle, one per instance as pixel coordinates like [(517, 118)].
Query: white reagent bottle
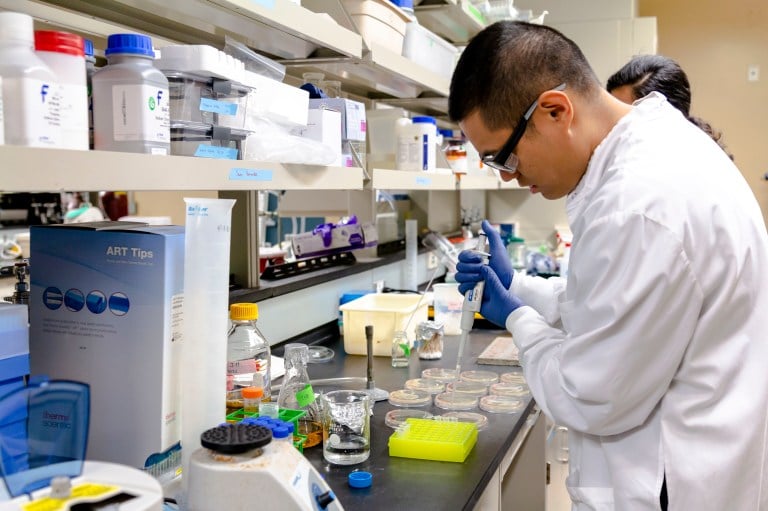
[(130, 99), (31, 115)]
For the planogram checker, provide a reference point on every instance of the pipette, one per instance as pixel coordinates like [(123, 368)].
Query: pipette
[(472, 301)]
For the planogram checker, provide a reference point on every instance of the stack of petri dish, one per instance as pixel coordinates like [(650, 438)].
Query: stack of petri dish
[(410, 398), (425, 385)]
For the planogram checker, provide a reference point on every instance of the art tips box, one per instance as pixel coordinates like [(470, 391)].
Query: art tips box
[(106, 309)]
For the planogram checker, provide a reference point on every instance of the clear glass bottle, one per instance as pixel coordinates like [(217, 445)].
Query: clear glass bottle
[(248, 353), (401, 349), (296, 393)]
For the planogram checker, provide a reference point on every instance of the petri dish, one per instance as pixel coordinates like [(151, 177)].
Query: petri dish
[(395, 418), (319, 354), (467, 387), (440, 374), (425, 385), (455, 401), (516, 377), (408, 397), (509, 389), (480, 420), (501, 404), (485, 377)]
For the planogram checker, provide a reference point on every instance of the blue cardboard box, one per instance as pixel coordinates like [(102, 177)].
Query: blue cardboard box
[(106, 309)]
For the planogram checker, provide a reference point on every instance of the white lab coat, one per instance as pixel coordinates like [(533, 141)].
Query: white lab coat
[(655, 352)]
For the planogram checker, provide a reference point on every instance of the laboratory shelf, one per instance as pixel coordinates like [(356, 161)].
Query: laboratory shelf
[(385, 179), (455, 20), (32, 170), (379, 71), (279, 28), (477, 182)]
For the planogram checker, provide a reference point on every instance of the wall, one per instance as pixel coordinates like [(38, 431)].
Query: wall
[(715, 42)]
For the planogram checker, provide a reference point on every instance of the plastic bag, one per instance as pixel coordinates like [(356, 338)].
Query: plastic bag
[(272, 142)]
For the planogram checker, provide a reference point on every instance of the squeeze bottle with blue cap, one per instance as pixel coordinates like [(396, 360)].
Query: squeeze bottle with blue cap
[(131, 111), (416, 144), (29, 107)]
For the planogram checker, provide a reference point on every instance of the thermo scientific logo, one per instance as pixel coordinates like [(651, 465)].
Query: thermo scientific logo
[(53, 420), (96, 302)]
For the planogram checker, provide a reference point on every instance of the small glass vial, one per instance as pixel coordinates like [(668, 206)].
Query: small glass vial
[(252, 399), (401, 349), (429, 339)]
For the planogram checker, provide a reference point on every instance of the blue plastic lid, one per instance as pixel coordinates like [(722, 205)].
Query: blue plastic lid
[(407, 4), (446, 133), (424, 118), (360, 479), (134, 44), (280, 432), (88, 47), (54, 434)]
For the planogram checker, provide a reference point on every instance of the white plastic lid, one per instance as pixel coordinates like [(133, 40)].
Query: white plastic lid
[(16, 27)]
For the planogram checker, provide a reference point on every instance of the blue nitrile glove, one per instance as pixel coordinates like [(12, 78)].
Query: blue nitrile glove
[(498, 261), (498, 303)]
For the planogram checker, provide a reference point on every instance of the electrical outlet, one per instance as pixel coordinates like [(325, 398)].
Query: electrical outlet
[(431, 261), (378, 285)]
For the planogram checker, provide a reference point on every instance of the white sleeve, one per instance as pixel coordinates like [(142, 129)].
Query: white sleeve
[(631, 308), (540, 293)]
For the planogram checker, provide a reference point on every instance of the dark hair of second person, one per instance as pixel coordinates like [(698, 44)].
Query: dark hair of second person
[(647, 73)]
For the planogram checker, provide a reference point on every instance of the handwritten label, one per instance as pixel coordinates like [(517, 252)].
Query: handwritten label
[(241, 174), (209, 151), (218, 107), (423, 181)]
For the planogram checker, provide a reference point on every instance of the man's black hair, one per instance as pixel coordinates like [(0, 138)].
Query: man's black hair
[(508, 65)]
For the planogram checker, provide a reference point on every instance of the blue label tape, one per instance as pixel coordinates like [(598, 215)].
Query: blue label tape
[(269, 4), (218, 107), (423, 181), (241, 174), (210, 151)]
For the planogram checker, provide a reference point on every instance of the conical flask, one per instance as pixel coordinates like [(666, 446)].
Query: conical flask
[(296, 393)]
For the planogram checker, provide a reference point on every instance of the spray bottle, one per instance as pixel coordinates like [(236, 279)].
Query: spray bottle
[(472, 301)]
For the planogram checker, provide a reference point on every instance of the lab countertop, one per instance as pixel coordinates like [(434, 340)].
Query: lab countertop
[(406, 483)]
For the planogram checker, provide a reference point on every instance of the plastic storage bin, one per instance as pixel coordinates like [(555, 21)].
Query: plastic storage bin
[(429, 50), (387, 313), (207, 141), (378, 21), (207, 100)]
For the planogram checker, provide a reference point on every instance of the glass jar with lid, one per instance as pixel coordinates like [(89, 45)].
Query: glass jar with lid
[(429, 339)]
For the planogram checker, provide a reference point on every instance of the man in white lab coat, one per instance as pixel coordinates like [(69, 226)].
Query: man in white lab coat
[(654, 353)]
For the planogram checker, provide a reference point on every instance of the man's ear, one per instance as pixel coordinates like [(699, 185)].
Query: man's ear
[(554, 106)]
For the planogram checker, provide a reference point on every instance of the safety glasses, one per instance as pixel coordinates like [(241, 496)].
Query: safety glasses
[(506, 160)]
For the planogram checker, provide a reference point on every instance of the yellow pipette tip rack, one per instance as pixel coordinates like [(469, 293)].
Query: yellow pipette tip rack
[(437, 440)]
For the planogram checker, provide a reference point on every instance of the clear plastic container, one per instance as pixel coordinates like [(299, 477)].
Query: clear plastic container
[(501, 404), (30, 116), (207, 100), (207, 141), (455, 401), (396, 418), (65, 55), (425, 385), (509, 389), (410, 398), (478, 419), (469, 388), (131, 110), (252, 399), (484, 377), (440, 374), (513, 377), (248, 352)]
